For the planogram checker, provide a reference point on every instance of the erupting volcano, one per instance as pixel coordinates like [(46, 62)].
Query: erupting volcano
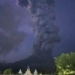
[(46, 33)]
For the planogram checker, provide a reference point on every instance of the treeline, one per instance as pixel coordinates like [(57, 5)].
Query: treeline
[(65, 65)]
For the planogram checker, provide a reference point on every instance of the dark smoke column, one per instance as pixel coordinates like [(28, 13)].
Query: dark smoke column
[(46, 32)]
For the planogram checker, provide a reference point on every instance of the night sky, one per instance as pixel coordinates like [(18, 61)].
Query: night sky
[(65, 20)]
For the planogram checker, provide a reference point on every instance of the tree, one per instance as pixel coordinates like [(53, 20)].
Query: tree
[(8, 71), (65, 64)]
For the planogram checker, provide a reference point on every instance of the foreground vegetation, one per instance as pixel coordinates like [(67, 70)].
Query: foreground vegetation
[(65, 65)]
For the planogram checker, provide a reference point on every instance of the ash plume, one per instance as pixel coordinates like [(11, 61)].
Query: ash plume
[(43, 15), (10, 36)]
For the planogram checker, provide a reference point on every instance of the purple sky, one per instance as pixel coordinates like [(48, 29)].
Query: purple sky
[(65, 20)]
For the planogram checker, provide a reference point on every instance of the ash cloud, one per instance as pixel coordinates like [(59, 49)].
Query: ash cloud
[(23, 2), (43, 15), (10, 36)]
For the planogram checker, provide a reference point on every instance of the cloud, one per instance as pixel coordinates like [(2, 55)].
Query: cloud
[(43, 14), (10, 20)]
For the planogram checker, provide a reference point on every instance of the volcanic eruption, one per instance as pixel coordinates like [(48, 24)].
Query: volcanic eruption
[(46, 33)]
